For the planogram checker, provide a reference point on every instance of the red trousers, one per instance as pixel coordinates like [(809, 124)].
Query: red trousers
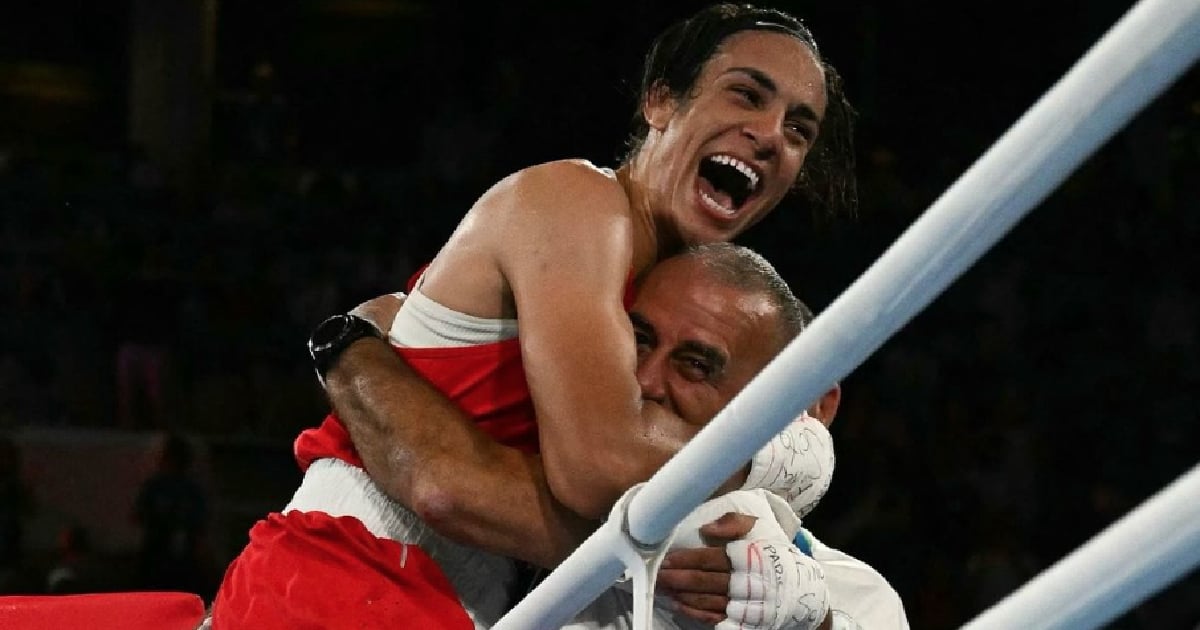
[(305, 570)]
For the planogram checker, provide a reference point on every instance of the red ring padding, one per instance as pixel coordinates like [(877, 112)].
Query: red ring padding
[(103, 611)]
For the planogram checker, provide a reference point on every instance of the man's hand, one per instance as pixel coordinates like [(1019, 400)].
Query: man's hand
[(698, 579), (763, 582)]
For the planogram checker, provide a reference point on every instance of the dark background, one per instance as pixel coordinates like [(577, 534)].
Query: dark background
[(200, 183)]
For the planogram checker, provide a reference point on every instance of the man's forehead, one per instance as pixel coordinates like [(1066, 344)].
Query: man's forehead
[(699, 307)]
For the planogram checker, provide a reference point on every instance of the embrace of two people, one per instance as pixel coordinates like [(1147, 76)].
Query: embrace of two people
[(574, 332)]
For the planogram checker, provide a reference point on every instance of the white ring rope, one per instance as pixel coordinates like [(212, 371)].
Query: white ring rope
[(1131, 560)]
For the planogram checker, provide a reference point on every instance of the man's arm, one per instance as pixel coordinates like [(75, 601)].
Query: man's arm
[(474, 490), (426, 454)]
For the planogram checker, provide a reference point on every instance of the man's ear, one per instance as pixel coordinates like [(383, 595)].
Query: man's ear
[(826, 407), (658, 107)]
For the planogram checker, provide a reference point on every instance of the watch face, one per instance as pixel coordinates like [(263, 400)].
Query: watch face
[(329, 331)]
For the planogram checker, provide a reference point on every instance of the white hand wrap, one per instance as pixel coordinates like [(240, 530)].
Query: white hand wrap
[(796, 465), (773, 585)]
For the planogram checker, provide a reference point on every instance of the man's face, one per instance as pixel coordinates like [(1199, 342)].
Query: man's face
[(699, 341)]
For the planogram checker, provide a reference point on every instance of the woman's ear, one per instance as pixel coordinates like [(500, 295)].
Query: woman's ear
[(659, 106)]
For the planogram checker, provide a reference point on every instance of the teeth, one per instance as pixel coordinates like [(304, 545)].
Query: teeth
[(741, 166), (714, 204)]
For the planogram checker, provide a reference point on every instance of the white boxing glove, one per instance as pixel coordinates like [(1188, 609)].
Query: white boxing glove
[(796, 465), (773, 585)]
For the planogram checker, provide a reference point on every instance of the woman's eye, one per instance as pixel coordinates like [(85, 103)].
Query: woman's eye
[(801, 130), (749, 95)]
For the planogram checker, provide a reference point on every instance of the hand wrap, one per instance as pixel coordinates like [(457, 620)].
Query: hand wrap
[(796, 465), (773, 586)]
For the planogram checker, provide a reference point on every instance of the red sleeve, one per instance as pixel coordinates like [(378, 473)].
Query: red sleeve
[(331, 439)]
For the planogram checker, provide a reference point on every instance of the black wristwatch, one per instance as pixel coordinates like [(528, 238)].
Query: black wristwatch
[(334, 335)]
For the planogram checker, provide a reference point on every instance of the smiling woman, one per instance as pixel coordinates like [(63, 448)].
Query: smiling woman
[(734, 102), (751, 62), (771, 87)]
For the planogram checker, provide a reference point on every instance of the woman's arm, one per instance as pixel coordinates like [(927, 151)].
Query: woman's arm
[(565, 241)]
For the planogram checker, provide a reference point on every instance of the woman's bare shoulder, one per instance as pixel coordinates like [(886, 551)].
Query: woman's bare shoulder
[(561, 188), (574, 168)]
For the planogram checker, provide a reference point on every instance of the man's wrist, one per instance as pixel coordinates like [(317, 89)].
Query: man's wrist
[(333, 336)]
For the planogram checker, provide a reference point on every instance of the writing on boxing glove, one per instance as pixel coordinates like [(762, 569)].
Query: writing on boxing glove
[(796, 465), (772, 584), (774, 587)]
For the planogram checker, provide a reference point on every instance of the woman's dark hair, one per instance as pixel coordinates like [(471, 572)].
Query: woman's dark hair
[(678, 54)]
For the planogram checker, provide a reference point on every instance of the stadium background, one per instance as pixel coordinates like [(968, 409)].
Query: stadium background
[(207, 180)]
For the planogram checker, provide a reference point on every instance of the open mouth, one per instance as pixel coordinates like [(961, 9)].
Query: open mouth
[(726, 184)]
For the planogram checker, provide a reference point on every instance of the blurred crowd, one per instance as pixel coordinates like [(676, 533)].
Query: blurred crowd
[(1051, 389)]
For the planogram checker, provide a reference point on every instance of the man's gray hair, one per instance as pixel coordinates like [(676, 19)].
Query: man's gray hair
[(743, 268)]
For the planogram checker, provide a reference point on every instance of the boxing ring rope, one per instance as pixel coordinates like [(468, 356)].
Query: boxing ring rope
[(1129, 561), (1146, 51)]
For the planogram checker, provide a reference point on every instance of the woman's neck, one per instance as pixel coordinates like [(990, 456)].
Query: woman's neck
[(655, 236)]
